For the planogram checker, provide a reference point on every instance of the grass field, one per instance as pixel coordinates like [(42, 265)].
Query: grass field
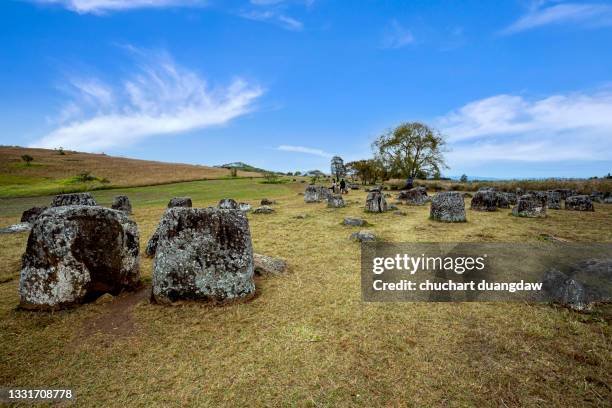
[(51, 172), (307, 339)]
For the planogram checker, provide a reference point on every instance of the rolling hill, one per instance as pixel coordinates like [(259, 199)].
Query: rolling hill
[(52, 172)]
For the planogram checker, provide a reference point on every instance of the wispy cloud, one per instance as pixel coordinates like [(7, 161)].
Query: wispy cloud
[(582, 14), (306, 150), (275, 17), (396, 36), (161, 98), (102, 6), (560, 127)]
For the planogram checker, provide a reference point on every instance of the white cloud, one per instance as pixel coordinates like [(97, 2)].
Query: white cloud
[(396, 36), (576, 126), (306, 150), (584, 14), (101, 6), (161, 99), (275, 17)]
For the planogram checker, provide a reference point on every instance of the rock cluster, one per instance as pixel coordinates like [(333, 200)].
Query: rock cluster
[(414, 196), (203, 254), (122, 203), (76, 253), (565, 192), (73, 199), (579, 203), (448, 206), (375, 201)]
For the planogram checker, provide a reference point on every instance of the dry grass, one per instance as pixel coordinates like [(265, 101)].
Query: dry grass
[(51, 172), (582, 186), (308, 340)]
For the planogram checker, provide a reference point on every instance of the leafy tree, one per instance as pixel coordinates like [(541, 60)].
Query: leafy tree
[(368, 171), (271, 177), (411, 150), (463, 178), (27, 159), (337, 167)]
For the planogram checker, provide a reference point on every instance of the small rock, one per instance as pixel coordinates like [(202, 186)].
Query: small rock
[(265, 201), (20, 227), (363, 236), (267, 265), (505, 199), (354, 222), (392, 207), (579, 203), (105, 298), (244, 207), (375, 201), (316, 194), (553, 200), (228, 204), (571, 292), (73, 199), (180, 202), (30, 215), (263, 210), (122, 203), (414, 196), (530, 206), (335, 201)]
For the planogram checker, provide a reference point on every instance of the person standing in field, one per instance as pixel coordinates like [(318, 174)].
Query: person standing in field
[(333, 186), (342, 187)]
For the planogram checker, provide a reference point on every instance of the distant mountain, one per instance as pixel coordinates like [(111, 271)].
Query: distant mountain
[(244, 167)]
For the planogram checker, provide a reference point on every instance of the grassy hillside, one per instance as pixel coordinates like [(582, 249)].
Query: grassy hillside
[(307, 339), (52, 172)]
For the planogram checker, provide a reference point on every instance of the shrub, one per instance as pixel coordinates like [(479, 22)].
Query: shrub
[(27, 159)]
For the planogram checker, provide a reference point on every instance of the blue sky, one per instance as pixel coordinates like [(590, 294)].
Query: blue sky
[(519, 88)]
